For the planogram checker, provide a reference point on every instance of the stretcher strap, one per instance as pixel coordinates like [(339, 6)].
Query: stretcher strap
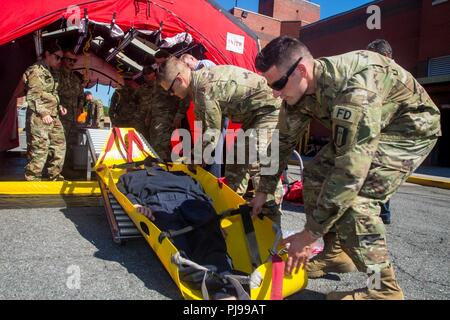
[(235, 280), (119, 135), (277, 278), (175, 233), (132, 136), (112, 138), (250, 234)]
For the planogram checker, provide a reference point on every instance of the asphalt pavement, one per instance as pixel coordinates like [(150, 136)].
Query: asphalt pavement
[(45, 251)]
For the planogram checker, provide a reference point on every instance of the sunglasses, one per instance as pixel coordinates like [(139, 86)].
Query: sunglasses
[(281, 83), (70, 59), (170, 90), (58, 58)]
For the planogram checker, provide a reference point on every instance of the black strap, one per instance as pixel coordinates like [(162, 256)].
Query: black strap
[(149, 162), (174, 233), (250, 234)]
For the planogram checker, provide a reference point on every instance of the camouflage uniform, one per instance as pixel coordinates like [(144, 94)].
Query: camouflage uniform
[(123, 107), (244, 98), (160, 110), (70, 91), (43, 140), (144, 97), (383, 125), (95, 117)]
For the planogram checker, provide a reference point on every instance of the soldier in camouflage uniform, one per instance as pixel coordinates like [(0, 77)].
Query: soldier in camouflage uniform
[(144, 96), (70, 92), (45, 133), (95, 114), (238, 94), (160, 110), (383, 126), (124, 104)]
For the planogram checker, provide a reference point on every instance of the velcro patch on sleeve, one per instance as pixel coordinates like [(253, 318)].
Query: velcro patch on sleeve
[(345, 127), (345, 114)]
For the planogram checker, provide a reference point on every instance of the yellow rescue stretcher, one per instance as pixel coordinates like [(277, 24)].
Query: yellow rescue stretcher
[(126, 146)]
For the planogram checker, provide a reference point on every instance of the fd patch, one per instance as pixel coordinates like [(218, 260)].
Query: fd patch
[(344, 114), (340, 136)]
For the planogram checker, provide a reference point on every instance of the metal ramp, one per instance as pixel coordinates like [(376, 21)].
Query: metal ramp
[(122, 228)]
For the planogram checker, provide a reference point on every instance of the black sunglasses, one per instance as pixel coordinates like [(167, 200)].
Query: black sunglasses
[(281, 83), (70, 59), (171, 85)]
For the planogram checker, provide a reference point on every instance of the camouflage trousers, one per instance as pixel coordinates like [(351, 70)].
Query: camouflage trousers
[(239, 175), (71, 136), (45, 144), (360, 230)]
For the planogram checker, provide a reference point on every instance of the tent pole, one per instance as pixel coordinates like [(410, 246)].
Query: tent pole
[(38, 43)]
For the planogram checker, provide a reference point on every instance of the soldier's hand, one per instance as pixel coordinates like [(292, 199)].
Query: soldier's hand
[(257, 203), (298, 249), (145, 211), (47, 119), (63, 110)]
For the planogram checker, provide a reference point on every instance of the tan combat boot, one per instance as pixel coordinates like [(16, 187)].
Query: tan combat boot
[(331, 259), (389, 290)]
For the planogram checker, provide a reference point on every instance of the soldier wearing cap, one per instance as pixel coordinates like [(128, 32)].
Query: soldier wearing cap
[(45, 133), (159, 111), (70, 91), (124, 103)]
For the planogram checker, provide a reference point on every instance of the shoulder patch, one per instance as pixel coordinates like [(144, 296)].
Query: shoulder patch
[(345, 114)]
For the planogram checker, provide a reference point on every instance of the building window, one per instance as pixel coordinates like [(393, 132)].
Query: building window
[(436, 2), (439, 66)]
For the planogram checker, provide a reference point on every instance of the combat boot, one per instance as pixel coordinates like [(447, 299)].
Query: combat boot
[(389, 290), (331, 259)]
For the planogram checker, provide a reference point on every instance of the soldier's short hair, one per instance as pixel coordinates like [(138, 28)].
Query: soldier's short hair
[(281, 51), (87, 93), (381, 46), (169, 69)]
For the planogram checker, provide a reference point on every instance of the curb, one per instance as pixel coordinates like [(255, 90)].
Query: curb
[(81, 188), (430, 182)]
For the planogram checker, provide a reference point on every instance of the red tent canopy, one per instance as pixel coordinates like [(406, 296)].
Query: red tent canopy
[(206, 21), (225, 38)]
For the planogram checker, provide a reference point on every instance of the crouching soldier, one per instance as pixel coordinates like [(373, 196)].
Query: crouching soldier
[(383, 125)]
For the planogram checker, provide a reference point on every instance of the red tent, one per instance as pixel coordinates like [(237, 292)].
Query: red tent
[(226, 40)]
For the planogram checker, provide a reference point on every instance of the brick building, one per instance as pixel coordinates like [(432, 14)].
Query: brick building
[(419, 33), (278, 17)]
